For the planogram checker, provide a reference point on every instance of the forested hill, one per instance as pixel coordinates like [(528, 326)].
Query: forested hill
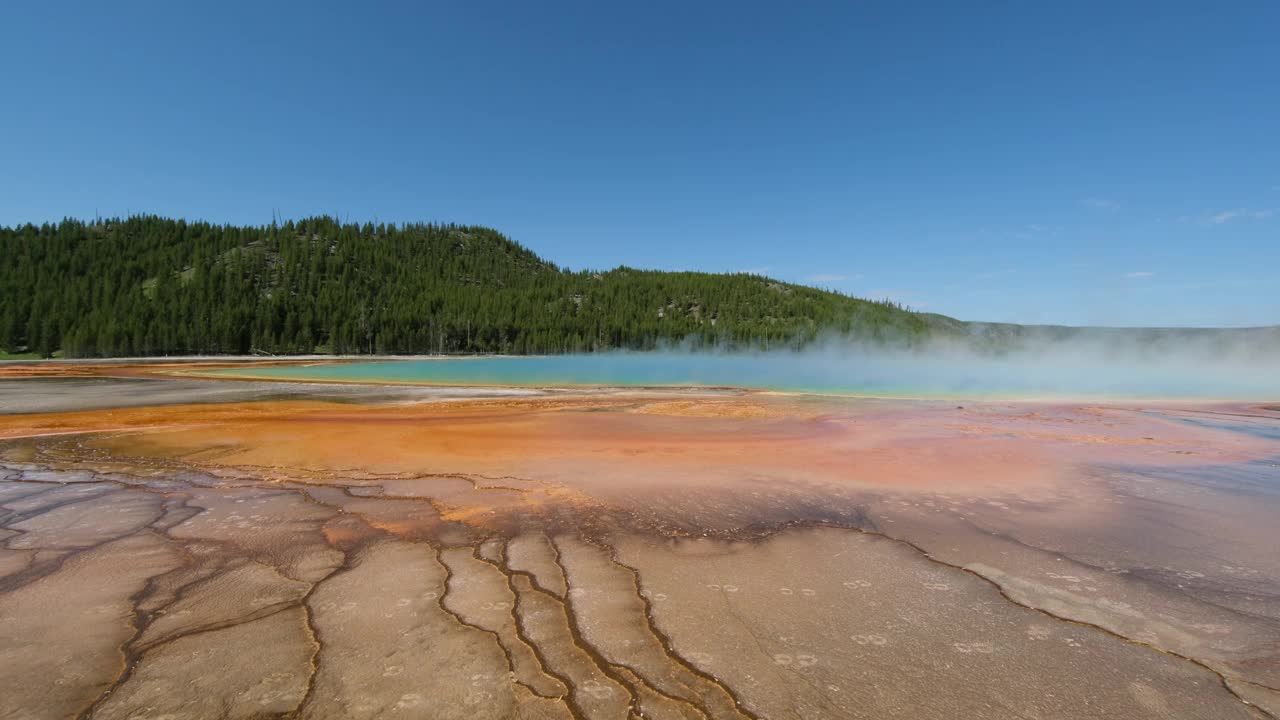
[(155, 286)]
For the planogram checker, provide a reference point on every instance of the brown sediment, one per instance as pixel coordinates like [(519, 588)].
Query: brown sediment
[(562, 550), (466, 613), (623, 628), (650, 624), (893, 632), (496, 559)]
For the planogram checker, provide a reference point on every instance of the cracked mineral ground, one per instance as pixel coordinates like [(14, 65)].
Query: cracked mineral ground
[(183, 548)]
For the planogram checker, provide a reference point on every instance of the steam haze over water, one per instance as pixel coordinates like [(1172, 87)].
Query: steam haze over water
[(1200, 370)]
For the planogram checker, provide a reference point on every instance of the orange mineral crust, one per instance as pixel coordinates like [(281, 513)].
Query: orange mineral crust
[(650, 553), (614, 442)]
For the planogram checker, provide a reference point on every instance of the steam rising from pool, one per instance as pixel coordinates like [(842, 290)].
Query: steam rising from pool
[(1107, 366)]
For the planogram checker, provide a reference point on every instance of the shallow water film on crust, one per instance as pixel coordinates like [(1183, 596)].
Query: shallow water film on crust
[(650, 554)]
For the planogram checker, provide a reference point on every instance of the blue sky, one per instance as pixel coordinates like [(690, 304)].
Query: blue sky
[(1082, 163)]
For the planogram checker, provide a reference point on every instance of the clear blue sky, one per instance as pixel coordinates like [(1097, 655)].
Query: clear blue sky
[(1084, 163)]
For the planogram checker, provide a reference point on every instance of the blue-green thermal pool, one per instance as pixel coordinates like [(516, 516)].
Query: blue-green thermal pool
[(827, 372)]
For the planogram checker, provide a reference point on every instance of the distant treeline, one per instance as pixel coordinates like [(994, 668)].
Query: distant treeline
[(155, 286)]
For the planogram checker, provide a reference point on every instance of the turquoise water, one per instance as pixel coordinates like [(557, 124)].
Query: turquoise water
[(829, 372)]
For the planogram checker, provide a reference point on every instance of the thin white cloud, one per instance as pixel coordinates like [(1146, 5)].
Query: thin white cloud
[(1139, 274), (825, 278), (1101, 203), (1241, 214)]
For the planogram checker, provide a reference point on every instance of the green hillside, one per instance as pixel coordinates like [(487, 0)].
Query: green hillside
[(155, 286)]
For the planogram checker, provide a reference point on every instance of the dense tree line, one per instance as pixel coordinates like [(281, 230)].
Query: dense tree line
[(155, 286)]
